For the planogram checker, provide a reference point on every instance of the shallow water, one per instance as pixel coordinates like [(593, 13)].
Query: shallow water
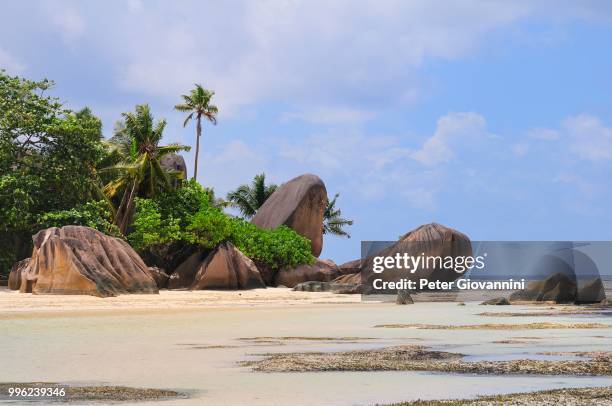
[(160, 349)]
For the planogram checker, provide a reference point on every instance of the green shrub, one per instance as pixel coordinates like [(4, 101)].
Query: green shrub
[(93, 214), (279, 248), (149, 228), (184, 202), (207, 226)]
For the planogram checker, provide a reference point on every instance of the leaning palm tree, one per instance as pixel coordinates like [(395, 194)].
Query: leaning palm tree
[(197, 103), (333, 223), (249, 198), (138, 171)]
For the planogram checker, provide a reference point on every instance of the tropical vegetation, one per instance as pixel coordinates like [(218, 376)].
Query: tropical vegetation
[(139, 171), (57, 169), (198, 104), (249, 198), (333, 222), (48, 160), (187, 216)]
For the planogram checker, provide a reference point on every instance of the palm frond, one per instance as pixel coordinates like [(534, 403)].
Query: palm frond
[(333, 223)]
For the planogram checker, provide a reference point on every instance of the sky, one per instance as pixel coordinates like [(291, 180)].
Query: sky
[(492, 117)]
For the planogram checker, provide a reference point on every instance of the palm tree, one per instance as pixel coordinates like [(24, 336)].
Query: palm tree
[(197, 103), (333, 223), (138, 171), (249, 198)]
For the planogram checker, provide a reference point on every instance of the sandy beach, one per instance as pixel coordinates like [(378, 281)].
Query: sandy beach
[(196, 343), (12, 302)]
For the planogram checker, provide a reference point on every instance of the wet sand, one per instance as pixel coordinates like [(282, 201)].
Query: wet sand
[(195, 342)]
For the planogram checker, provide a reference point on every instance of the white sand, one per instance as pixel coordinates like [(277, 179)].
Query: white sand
[(14, 302)]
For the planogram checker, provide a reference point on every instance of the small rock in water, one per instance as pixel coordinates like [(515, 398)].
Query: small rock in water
[(499, 301), (403, 297)]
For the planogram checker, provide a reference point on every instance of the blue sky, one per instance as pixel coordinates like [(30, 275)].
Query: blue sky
[(491, 117)]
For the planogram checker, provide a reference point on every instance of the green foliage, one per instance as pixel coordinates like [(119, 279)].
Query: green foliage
[(50, 175), (333, 222), (198, 104), (91, 214), (208, 227), (249, 198), (279, 248), (187, 215), (139, 172), (48, 160), (184, 202), (149, 227)]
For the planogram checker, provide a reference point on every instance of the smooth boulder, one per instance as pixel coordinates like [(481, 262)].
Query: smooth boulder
[(428, 240), (79, 260), (315, 286), (226, 267), (320, 271), (403, 298), (300, 205), (184, 275), (558, 288), (497, 301), (14, 279), (592, 291)]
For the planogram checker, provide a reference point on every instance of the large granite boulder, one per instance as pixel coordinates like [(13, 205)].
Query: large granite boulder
[(14, 280), (320, 271), (185, 273), (591, 291), (558, 288), (227, 268), (429, 240), (299, 204), (79, 260), (565, 276)]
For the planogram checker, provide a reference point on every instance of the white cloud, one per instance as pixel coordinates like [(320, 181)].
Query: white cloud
[(589, 138), (10, 63), (313, 53), (69, 21), (452, 130)]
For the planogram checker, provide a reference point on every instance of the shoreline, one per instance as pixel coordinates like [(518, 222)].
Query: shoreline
[(15, 304)]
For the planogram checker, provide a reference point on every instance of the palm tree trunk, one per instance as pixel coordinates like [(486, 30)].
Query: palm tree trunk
[(121, 208), (197, 155), (125, 220)]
